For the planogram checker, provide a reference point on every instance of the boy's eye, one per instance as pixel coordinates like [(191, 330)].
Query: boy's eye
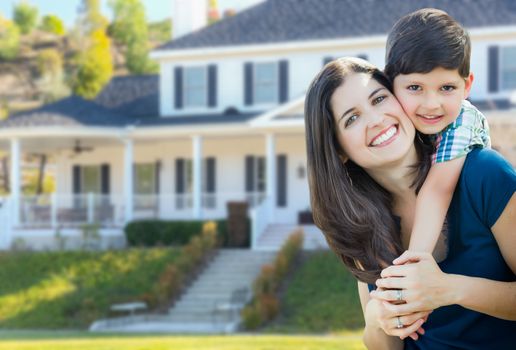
[(448, 88), (378, 99), (350, 120), (413, 87)]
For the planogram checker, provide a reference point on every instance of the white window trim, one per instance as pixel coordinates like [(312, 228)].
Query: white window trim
[(255, 80), (185, 88)]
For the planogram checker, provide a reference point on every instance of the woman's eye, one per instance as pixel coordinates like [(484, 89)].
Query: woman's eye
[(379, 99), (414, 87), (350, 120), (448, 88)]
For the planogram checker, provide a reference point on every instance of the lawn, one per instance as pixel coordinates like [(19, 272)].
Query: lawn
[(320, 297), (26, 340), (72, 289)]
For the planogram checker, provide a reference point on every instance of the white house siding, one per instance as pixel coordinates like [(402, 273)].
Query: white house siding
[(479, 63), (230, 82), (230, 153)]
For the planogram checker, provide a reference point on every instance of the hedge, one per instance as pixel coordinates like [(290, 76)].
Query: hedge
[(149, 233)]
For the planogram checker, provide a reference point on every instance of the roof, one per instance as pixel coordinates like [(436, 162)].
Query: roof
[(70, 111), (132, 95), (276, 21), (124, 101)]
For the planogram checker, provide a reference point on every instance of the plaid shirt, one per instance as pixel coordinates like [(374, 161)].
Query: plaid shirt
[(468, 131)]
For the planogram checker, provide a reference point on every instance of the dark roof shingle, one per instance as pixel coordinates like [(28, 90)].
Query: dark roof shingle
[(275, 21)]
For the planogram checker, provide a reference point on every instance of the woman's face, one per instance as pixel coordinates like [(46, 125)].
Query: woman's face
[(372, 128)]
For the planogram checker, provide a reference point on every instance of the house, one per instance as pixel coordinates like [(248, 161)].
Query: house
[(223, 120)]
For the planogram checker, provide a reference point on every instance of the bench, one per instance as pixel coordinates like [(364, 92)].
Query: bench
[(131, 308), (239, 297)]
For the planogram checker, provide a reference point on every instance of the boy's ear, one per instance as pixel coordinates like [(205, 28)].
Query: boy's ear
[(469, 82)]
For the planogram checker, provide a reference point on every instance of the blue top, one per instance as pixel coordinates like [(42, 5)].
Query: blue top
[(485, 186)]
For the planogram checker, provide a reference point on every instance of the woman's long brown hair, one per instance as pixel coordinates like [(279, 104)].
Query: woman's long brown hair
[(350, 208)]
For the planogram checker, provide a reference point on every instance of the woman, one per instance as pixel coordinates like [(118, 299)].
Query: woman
[(362, 146)]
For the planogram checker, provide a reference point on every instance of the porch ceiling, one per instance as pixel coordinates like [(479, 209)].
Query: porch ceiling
[(57, 144)]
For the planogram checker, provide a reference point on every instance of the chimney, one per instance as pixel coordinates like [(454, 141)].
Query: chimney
[(188, 16)]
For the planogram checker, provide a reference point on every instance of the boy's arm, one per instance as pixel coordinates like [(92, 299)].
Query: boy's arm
[(432, 204)]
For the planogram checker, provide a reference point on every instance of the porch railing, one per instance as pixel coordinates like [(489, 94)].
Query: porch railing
[(61, 210)]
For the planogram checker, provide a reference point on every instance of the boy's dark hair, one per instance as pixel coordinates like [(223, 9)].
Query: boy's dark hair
[(424, 40)]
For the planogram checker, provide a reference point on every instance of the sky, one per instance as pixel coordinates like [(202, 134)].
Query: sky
[(155, 9)]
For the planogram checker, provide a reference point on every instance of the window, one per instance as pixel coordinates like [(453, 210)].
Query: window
[(256, 179), (508, 68), (145, 178), (195, 87), (91, 182), (265, 83), (145, 185)]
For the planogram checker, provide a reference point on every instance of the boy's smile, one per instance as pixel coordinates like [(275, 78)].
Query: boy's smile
[(432, 100)]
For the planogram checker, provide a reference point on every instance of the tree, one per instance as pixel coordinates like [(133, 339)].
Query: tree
[(95, 66), (52, 24), (90, 18), (25, 16), (93, 63), (129, 28), (9, 39), (51, 83)]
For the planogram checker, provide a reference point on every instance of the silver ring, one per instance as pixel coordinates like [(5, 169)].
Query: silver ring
[(399, 295), (398, 322)]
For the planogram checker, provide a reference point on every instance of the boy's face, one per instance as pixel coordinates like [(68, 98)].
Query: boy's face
[(432, 100)]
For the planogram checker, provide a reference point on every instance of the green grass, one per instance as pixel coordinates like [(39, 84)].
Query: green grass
[(321, 297), (71, 289), (88, 341)]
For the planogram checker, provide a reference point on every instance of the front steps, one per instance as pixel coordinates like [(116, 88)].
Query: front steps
[(194, 312), (275, 235)]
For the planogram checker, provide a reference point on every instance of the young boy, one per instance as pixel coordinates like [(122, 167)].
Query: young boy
[(427, 59)]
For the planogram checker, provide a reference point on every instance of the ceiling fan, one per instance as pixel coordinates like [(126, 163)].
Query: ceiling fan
[(78, 148)]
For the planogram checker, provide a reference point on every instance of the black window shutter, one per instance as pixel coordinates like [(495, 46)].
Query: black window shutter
[(180, 173), (283, 81), (281, 197), (104, 178), (178, 87), (248, 84), (493, 69), (363, 56), (210, 173), (76, 176), (212, 85), (249, 174), (327, 60), (157, 170)]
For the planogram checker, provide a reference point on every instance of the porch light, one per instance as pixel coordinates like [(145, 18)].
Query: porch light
[(301, 171)]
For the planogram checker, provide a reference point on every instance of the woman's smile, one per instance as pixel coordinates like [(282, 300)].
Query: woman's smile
[(385, 137)]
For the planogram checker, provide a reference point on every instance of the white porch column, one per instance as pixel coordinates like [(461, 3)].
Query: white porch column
[(128, 180), (271, 173), (197, 176), (15, 181)]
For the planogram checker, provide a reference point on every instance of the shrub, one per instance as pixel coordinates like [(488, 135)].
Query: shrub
[(52, 24), (267, 284), (154, 232), (252, 317), (173, 277), (9, 39), (25, 16)]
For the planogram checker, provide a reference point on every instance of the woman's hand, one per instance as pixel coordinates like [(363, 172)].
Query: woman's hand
[(378, 314), (422, 283)]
